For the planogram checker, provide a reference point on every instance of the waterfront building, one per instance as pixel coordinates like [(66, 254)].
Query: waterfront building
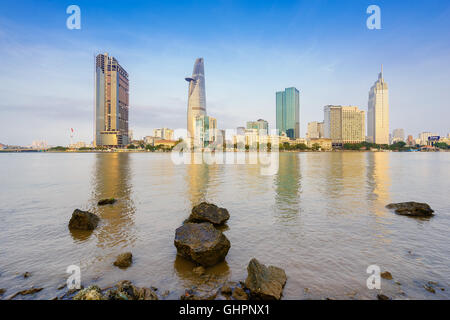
[(111, 103), (315, 130), (196, 96), (40, 145), (344, 124), (205, 131), (378, 112), (288, 112), (324, 143), (163, 133), (410, 140), (261, 125), (423, 137), (398, 135), (150, 140)]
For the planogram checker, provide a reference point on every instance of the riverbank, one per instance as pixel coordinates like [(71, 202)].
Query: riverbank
[(321, 217)]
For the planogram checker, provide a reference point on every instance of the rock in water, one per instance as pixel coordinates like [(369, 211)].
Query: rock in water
[(208, 212), (382, 297), (386, 275), (91, 293), (83, 220), (412, 209), (106, 201), (124, 260), (125, 290), (265, 283), (201, 243)]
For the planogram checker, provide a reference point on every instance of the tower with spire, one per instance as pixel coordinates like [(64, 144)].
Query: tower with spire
[(378, 112)]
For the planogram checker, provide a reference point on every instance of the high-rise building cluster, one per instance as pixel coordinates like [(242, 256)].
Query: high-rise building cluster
[(341, 125)]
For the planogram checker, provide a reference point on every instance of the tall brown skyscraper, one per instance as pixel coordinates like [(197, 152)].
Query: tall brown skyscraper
[(111, 102)]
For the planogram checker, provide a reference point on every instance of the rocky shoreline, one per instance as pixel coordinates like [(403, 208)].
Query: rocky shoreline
[(201, 241)]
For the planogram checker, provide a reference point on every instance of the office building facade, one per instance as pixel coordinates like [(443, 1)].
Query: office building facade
[(288, 112), (378, 112), (344, 124), (111, 102)]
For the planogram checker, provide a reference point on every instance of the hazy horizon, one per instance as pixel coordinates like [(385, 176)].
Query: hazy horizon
[(251, 50)]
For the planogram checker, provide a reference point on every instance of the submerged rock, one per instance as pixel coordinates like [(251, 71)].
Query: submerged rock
[(125, 290), (382, 297), (124, 260), (208, 212), (201, 243), (26, 292), (90, 293), (265, 283), (412, 209), (2, 291), (386, 275), (106, 201), (83, 220), (27, 275)]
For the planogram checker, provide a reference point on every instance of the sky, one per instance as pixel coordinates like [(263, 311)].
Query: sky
[(251, 49)]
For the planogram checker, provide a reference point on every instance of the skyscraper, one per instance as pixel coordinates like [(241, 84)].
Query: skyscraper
[(111, 102), (378, 112), (344, 124), (196, 96), (288, 112)]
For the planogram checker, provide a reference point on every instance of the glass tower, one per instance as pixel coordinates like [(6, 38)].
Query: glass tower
[(288, 112)]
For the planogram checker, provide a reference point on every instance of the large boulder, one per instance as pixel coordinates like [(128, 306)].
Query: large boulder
[(83, 220), (412, 209), (201, 243), (208, 212), (265, 283)]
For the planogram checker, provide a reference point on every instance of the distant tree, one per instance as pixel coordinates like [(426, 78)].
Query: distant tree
[(58, 148), (441, 145)]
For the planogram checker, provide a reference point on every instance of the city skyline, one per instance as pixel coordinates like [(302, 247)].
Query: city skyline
[(35, 41)]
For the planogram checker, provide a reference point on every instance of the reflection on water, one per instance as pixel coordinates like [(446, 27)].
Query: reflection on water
[(288, 188), (322, 218), (378, 180), (111, 179)]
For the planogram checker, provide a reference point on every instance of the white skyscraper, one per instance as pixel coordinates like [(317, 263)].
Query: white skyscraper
[(196, 95), (378, 112)]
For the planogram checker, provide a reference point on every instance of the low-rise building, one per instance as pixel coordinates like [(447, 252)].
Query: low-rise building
[(324, 143)]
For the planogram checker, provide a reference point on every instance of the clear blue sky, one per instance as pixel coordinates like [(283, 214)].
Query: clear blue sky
[(251, 48)]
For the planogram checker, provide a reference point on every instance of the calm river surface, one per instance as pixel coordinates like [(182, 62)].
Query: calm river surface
[(322, 218)]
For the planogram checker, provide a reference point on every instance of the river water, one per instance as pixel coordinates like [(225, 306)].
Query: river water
[(321, 217)]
